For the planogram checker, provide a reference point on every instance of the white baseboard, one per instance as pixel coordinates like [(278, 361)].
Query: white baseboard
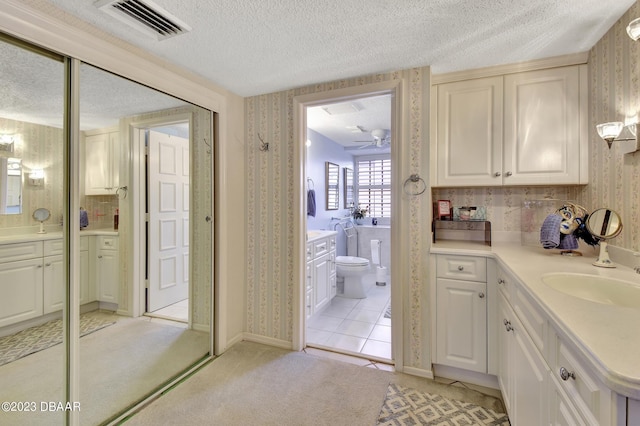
[(256, 338), (472, 377), (201, 327), (427, 374)]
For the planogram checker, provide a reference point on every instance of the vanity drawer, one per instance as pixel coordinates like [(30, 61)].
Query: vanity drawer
[(321, 247), (531, 317), (20, 251), (107, 243), (53, 247), (591, 398), (309, 251), (468, 268)]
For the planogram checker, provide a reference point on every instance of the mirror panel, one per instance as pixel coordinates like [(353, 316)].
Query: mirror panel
[(32, 284), (348, 188), (332, 185), (10, 185), (604, 223)]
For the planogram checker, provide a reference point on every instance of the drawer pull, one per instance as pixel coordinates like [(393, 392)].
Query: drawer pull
[(481, 295), (566, 374), (460, 268)]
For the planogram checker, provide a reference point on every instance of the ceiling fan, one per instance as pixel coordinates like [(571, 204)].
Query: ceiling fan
[(380, 139)]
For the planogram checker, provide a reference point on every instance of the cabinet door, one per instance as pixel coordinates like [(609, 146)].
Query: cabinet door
[(322, 285), (54, 283), (21, 289), (469, 129), (561, 410), (543, 127), (107, 276), (505, 339), (86, 295), (461, 324), (97, 166), (114, 160)]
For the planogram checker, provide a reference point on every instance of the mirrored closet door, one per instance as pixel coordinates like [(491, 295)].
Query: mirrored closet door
[(145, 235)]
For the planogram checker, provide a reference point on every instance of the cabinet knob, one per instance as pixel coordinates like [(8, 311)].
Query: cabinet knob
[(497, 174), (460, 268), (501, 281), (100, 257), (481, 295), (509, 174), (47, 264), (566, 374), (507, 325), (39, 266)]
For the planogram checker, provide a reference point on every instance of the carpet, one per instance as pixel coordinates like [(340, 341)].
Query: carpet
[(35, 339), (406, 406)]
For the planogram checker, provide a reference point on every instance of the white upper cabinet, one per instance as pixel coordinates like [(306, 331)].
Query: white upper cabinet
[(470, 132), (526, 128), (542, 127), (102, 163)]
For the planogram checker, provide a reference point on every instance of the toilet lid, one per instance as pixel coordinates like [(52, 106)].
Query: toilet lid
[(352, 260)]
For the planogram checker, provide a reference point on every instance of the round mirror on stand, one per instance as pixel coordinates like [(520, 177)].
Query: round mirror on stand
[(41, 215), (604, 224)]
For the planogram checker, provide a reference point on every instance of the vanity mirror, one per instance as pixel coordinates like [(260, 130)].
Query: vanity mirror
[(10, 185), (332, 175), (41, 215), (604, 224)]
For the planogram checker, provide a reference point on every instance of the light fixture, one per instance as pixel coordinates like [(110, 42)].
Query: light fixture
[(611, 131), (36, 177), (6, 143), (633, 29)]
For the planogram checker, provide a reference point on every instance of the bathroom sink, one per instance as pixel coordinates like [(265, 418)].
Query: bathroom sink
[(608, 291)]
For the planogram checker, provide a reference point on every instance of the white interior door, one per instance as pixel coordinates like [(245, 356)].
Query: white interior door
[(168, 246)]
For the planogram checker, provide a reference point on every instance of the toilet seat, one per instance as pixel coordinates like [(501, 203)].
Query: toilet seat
[(351, 261)]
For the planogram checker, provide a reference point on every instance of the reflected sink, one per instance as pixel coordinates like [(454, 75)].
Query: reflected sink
[(608, 291)]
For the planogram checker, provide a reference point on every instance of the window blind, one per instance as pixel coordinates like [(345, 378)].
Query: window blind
[(374, 186)]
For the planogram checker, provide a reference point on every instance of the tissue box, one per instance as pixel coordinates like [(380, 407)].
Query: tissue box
[(470, 213), (532, 215)]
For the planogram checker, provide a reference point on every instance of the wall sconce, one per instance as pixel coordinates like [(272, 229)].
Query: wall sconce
[(36, 177), (610, 132), (633, 29), (6, 143)]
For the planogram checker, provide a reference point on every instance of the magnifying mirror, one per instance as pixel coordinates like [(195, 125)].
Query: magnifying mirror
[(604, 224), (41, 215)]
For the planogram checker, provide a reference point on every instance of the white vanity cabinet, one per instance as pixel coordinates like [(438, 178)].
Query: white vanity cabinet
[(320, 273), (21, 282), (101, 165), (106, 268), (53, 270), (542, 380), (525, 128), (461, 312)]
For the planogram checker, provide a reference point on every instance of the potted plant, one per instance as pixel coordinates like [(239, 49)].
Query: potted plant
[(358, 214)]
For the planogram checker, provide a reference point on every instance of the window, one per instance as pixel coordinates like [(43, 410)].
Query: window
[(373, 185)]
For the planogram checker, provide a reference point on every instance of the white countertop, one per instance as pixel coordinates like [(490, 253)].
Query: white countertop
[(607, 337), (51, 235), (316, 234)]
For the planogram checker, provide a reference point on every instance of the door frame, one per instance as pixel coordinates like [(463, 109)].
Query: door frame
[(300, 104), (138, 200)]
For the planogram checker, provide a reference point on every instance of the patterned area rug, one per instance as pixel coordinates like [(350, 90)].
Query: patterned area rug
[(404, 406), (34, 339), (387, 312)]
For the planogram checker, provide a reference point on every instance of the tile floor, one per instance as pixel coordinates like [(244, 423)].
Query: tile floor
[(355, 325), (177, 312)]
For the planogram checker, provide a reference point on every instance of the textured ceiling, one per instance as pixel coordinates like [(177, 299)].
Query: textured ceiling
[(262, 46)]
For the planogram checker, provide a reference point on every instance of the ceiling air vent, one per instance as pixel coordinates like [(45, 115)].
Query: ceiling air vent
[(145, 16)]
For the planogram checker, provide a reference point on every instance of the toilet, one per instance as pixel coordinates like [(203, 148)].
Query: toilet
[(352, 269)]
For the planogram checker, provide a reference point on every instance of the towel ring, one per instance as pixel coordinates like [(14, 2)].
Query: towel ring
[(414, 179), (310, 183), (120, 190)]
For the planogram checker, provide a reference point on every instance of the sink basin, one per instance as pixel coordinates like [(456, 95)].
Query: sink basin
[(608, 291)]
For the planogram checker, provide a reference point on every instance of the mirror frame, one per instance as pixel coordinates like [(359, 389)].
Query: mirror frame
[(603, 220), (332, 185)]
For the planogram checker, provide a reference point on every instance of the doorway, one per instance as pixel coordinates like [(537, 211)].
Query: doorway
[(354, 135)]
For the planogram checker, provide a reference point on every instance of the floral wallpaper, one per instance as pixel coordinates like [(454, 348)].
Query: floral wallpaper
[(269, 212), (614, 83)]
